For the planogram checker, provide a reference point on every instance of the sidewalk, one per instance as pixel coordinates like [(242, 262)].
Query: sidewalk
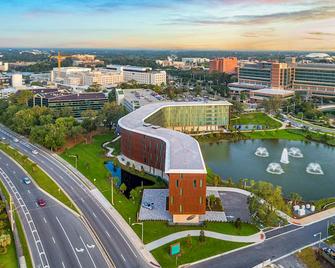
[(314, 217), (255, 238)]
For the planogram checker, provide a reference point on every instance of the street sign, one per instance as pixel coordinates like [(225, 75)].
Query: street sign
[(175, 249)]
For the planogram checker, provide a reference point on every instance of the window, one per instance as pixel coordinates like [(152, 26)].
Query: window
[(171, 198), (177, 183), (180, 208), (194, 183), (200, 184), (181, 191)]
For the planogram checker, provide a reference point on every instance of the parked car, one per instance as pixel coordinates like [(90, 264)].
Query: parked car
[(16, 140), (34, 152), (3, 138), (148, 205), (41, 202), (26, 180)]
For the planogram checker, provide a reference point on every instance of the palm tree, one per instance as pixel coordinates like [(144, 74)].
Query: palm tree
[(295, 197)]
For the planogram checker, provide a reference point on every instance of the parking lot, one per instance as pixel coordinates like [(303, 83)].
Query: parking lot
[(235, 206)]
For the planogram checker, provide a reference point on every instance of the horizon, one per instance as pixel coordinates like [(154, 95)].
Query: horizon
[(225, 25)]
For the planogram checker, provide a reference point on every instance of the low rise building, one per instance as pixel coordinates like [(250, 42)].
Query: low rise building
[(267, 93), (16, 80), (3, 66), (142, 75), (133, 99), (77, 102)]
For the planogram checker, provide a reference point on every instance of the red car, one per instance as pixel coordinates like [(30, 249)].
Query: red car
[(41, 202)]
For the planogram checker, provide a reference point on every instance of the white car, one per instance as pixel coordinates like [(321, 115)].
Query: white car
[(35, 152), (3, 138), (16, 140)]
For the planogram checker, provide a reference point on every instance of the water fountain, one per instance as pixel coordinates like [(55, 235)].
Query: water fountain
[(275, 168), (314, 168), (295, 152), (262, 152), (284, 157)]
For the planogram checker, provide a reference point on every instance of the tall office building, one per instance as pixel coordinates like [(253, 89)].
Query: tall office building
[(223, 65)]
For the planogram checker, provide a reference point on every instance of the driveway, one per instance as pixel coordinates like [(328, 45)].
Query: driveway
[(235, 206)]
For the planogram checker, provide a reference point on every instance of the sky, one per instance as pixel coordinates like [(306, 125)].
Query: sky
[(169, 24)]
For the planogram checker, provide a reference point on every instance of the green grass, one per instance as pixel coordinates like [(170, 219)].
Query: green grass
[(94, 154), (23, 240), (192, 253), (256, 119), (41, 178), (9, 259), (285, 134)]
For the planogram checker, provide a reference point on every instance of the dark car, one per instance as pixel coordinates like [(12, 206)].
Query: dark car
[(41, 202)]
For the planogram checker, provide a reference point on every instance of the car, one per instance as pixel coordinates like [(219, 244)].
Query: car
[(148, 205), (26, 180), (16, 140), (3, 138), (41, 202), (34, 152)]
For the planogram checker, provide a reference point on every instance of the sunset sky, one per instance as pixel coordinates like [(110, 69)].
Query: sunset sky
[(170, 24)]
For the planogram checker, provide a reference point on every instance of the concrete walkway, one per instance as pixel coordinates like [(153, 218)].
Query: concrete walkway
[(314, 217), (255, 238)]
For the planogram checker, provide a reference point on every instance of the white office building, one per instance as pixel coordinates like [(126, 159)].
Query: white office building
[(17, 80), (142, 75), (3, 66)]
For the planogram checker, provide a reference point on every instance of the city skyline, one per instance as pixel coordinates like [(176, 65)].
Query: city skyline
[(188, 24)]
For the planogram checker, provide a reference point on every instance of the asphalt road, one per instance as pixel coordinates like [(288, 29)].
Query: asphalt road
[(111, 236), (57, 238), (273, 248)]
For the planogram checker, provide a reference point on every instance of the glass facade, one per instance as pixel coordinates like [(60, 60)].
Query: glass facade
[(314, 76), (196, 115)]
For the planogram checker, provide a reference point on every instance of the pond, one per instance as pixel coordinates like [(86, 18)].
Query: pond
[(130, 180), (238, 160)]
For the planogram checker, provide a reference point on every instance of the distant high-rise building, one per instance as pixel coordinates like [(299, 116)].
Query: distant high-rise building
[(223, 65)]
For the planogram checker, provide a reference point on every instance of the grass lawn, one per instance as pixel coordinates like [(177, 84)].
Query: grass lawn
[(256, 119), (191, 253), (286, 134), (9, 259), (94, 155), (42, 179), (23, 240)]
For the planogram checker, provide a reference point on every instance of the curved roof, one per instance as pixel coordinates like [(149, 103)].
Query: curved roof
[(317, 55), (183, 153)]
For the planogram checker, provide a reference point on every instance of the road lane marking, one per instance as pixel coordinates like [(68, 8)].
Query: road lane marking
[(44, 220), (28, 191), (89, 254), (68, 239), (123, 258), (94, 215), (80, 250), (53, 239), (108, 234)]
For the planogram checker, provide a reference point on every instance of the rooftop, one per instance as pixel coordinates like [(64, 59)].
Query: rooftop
[(178, 144), (274, 92)]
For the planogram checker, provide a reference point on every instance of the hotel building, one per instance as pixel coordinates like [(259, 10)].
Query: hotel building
[(151, 138), (223, 65)]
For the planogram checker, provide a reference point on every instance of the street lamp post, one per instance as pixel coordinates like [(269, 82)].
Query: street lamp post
[(139, 223), (76, 157), (320, 234)]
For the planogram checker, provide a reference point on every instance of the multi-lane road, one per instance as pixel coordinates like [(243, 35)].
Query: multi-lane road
[(56, 237), (111, 235)]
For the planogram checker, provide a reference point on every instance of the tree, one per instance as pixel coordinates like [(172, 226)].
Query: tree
[(22, 97), (123, 188), (216, 180), (95, 87), (111, 113), (331, 229), (238, 223), (295, 197), (5, 241), (189, 240), (211, 201), (237, 107), (134, 193), (202, 237)]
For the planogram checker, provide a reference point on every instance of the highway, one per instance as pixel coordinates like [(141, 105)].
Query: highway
[(110, 234), (273, 248), (56, 237)]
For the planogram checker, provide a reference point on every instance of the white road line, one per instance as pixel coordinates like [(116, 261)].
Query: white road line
[(44, 219), (108, 234), (123, 258), (94, 215), (28, 191), (89, 254), (68, 239), (63, 264), (53, 239)]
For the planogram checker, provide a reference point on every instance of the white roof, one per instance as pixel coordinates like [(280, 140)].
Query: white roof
[(183, 153)]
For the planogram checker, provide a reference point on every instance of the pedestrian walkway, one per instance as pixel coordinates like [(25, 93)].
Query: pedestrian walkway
[(314, 217), (255, 238)]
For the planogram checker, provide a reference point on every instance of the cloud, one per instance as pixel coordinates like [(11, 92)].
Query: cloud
[(321, 34), (316, 13)]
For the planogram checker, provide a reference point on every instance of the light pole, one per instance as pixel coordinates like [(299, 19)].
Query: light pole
[(139, 223), (76, 157), (320, 234)]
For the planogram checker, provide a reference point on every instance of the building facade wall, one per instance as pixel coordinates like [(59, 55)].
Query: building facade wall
[(187, 193), (223, 65)]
